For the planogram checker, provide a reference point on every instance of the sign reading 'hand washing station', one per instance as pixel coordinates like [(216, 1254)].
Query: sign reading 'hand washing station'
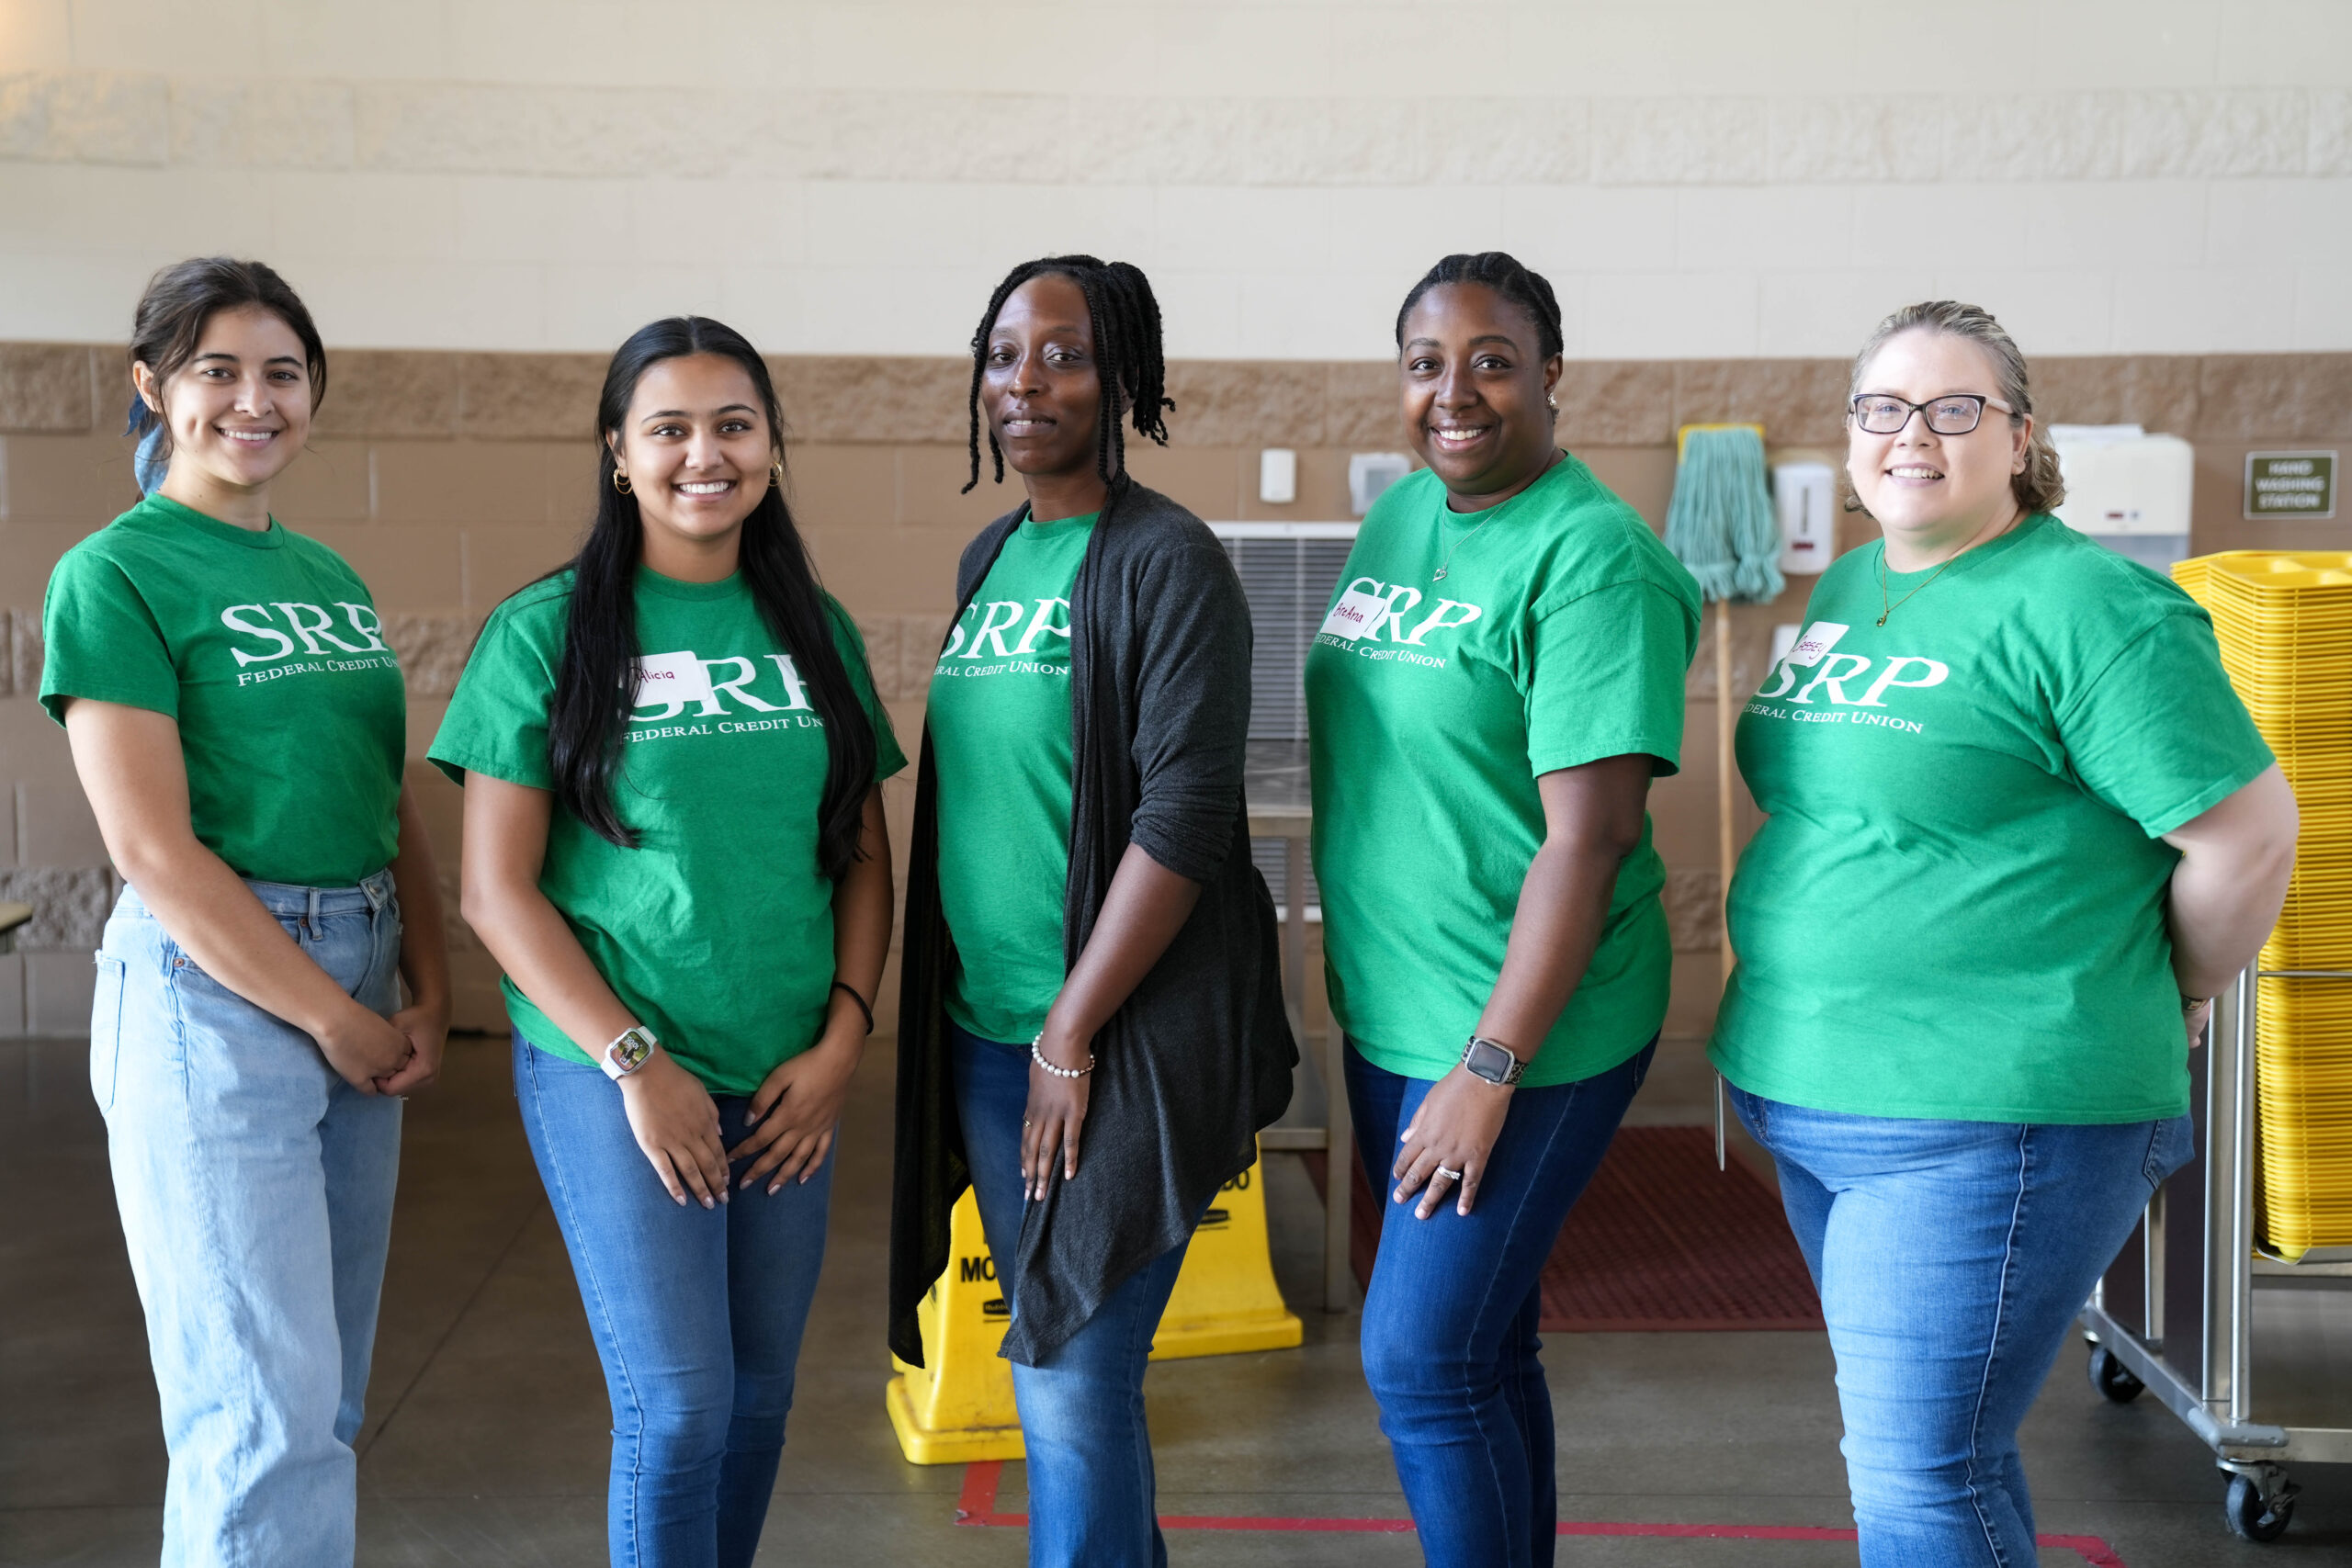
[(2291, 484)]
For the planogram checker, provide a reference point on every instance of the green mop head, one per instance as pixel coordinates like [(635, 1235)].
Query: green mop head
[(1720, 524)]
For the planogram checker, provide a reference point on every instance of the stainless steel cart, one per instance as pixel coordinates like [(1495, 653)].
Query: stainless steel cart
[(2254, 1355)]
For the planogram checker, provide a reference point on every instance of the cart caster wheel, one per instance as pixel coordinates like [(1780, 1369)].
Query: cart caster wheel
[(2253, 1517), (2115, 1381)]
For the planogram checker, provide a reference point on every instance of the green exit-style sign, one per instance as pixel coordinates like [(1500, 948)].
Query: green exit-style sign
[(2290, 484)]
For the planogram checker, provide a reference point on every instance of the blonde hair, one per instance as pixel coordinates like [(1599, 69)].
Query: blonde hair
[(2040, 488)]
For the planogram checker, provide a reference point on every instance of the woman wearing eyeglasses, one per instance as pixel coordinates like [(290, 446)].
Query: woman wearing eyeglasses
[(2019, 831)]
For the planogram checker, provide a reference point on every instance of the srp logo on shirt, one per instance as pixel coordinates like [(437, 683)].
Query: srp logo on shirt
[(1831, 672)]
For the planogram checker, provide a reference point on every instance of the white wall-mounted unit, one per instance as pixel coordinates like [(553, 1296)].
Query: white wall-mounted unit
[(2129, 490), (1369, 473), (1805, 496)]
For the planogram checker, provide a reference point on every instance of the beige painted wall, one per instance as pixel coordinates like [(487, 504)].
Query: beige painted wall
[(450, 479), (1709, 178)]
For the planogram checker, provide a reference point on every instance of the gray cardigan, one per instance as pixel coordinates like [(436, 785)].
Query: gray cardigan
[(1200, 1057)]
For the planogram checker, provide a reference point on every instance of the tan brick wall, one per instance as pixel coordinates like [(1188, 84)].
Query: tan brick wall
[(449, 479)]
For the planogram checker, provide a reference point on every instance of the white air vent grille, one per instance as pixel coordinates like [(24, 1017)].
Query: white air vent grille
[(1288, 570)]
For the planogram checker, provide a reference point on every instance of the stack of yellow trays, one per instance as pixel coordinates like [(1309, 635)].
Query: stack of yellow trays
[(2284, 621)]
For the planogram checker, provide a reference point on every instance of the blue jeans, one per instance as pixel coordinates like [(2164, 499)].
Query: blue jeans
[(1951, 1256), (1091, 1491), (1450, 1339), (696, 1313), (256, 1188)]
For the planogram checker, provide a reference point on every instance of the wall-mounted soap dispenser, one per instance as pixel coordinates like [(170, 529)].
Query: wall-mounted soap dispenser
[(1805, 495)]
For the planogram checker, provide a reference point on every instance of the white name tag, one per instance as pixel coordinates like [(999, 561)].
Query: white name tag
[(670, 680), (1816, 644), (1355, 614)]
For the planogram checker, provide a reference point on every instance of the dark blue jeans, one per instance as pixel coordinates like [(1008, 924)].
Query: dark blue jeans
[(1091, 1491), (697, 1315), (1450, 1344)]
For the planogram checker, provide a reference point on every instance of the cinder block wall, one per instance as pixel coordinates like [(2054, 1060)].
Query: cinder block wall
[(450, 479)]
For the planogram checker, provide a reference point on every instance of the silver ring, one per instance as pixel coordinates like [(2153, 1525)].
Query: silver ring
[(1449, 1175)]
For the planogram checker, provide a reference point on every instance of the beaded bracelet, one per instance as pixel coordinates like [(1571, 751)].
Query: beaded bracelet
[(1039, 1057)]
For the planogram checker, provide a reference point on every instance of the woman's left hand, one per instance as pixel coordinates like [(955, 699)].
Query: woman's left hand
[(1056, 1111), (426, 1024), (2197, 1019), (794, 1112), (1455, 1128)]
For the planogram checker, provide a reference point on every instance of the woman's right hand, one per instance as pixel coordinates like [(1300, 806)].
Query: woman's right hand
[(676, 1124), (363, 1046)]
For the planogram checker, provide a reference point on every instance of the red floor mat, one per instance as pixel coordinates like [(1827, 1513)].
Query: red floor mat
[(1660, 1241)]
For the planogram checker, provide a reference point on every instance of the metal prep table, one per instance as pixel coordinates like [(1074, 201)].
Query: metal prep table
[(2254, 1355)]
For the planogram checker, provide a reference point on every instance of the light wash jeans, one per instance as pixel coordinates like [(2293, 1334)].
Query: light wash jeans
[(1090, 1488), (697, 1316), (256, 1188), (1449, 1337), (1951, 1258)]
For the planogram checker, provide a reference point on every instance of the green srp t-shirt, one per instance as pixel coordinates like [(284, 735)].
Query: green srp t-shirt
[(1955, 909), (1000, 735), (716, 931), (264, 647), (1559, 634)]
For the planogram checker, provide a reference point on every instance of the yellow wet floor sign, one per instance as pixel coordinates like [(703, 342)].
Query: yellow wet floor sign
[(958, 1408)]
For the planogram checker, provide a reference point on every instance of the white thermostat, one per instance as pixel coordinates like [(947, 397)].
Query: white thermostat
[(1369, 473)]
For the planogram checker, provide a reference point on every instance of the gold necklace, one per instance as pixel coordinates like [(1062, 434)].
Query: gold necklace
[(1886, 609)]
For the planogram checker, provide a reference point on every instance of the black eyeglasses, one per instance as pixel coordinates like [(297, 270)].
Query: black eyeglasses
[(1954, 415)]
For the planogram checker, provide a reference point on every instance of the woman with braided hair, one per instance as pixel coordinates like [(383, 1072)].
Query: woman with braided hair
[(1089, 957)]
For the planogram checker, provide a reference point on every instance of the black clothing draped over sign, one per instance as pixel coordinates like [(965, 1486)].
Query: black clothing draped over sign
[(1200, 1057)]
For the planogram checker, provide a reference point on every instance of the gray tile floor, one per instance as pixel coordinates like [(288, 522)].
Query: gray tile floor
[(485, 1441)]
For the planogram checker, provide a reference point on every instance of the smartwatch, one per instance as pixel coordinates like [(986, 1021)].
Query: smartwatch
[(1492, 1061), (629, 1051)]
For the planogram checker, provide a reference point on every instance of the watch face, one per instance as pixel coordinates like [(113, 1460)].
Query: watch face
[(1489, 1061), (631, 1049)]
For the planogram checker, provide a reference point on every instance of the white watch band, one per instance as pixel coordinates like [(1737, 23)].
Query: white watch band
[(631, 1050)]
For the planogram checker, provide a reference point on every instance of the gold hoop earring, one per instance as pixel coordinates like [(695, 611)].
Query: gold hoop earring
[(620, 482), (775, 474)]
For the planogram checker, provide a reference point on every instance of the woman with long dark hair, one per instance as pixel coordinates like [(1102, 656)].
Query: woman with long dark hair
[(1497, 679), (1090, 956), (239, 725), (675, 847)]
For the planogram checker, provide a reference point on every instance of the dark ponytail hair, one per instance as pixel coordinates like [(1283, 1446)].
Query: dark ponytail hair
[(1503, 273), (169, 324), (1128, 355), (593, 691)]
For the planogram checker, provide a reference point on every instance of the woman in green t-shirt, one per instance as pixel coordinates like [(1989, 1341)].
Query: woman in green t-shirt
[(2019, 831), (239, 725), (1497, 679), (675, 847), (1089, 955)]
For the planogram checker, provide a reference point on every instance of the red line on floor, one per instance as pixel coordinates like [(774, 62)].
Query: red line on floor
[(977, 1505)]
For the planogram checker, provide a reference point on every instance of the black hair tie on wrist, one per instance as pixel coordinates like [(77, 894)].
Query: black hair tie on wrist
[(845, 986)]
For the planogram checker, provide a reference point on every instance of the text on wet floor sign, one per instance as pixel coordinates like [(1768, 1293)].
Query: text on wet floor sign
[(958, 1408)]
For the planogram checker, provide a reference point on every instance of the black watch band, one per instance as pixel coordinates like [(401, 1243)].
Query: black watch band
[(1493, 1061)]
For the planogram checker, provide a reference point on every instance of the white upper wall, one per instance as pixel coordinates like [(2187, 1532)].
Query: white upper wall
[(1702, 178)]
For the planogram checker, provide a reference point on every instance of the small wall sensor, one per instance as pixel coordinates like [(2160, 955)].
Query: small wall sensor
[(1278, 475), (1369, 473)]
